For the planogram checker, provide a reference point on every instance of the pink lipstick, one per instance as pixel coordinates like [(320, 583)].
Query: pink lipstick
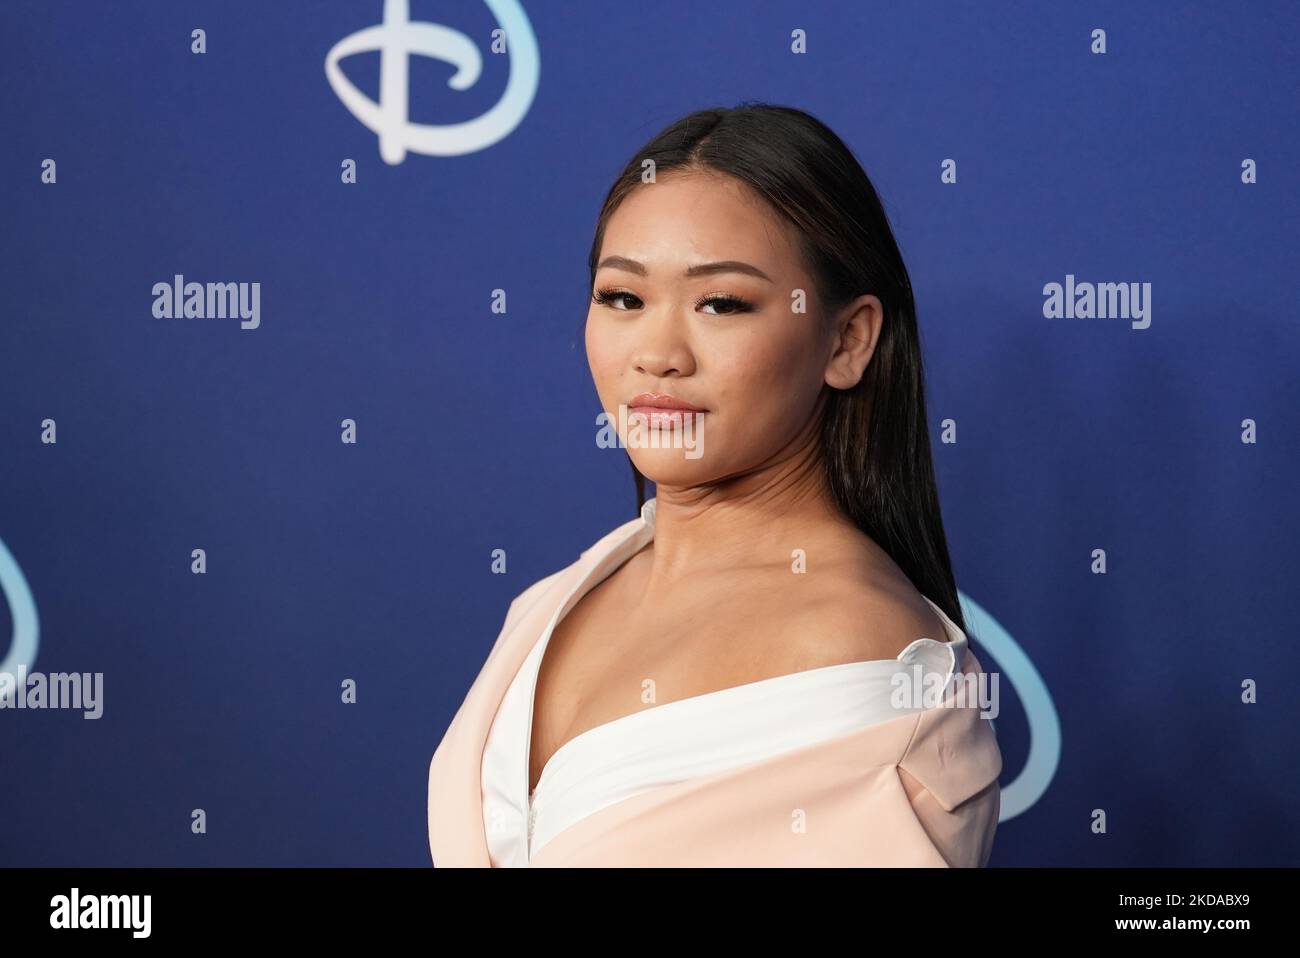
[(662, 410)]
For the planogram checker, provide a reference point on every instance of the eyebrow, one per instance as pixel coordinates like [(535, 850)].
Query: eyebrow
[(702, 269)]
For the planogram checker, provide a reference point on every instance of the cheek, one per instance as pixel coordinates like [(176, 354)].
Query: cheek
[(771, 378), (602, 352)]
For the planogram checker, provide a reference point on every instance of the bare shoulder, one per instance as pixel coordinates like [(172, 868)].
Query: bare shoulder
[(850, 616)]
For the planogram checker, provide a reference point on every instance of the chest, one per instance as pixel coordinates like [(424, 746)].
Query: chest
[(603, 662)]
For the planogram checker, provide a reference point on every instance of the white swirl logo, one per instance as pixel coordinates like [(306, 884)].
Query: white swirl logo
[(22, 610), (396, 39)]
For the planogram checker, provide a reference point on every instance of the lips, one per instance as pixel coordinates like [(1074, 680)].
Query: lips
[(662, 410), (644, 402)]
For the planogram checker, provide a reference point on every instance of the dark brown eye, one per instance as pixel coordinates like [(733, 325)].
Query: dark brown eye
[(729, 305), (611, 297)]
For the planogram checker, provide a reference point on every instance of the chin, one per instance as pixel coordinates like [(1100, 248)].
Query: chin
[(670, 467)]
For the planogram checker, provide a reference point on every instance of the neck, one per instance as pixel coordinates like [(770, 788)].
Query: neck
[(756, 517)]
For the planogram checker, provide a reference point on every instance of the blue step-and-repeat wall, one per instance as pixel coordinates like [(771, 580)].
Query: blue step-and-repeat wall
[(185, 526)]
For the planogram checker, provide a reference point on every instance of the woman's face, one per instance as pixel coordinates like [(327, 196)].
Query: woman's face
[(695, 298)]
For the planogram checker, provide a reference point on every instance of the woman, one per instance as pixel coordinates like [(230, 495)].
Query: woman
[(719, 681)]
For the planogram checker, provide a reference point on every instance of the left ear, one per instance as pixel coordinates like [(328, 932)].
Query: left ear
[(854, 337)]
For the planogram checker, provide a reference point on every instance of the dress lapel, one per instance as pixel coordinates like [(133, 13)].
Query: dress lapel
[(457, 835)]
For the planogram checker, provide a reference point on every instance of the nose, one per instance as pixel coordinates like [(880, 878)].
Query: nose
[(662, 349)]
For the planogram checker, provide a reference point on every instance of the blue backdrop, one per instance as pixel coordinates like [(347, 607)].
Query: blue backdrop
[(1168, 159)]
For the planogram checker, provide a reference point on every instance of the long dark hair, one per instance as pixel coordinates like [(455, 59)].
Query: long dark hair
[(874, 439)]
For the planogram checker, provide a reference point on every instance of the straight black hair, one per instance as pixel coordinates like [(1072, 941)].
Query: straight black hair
[(874, 439)]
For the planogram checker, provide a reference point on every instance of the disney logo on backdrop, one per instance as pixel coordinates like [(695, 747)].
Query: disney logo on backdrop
[(1044, 757), (397, 39), (15, 593)]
